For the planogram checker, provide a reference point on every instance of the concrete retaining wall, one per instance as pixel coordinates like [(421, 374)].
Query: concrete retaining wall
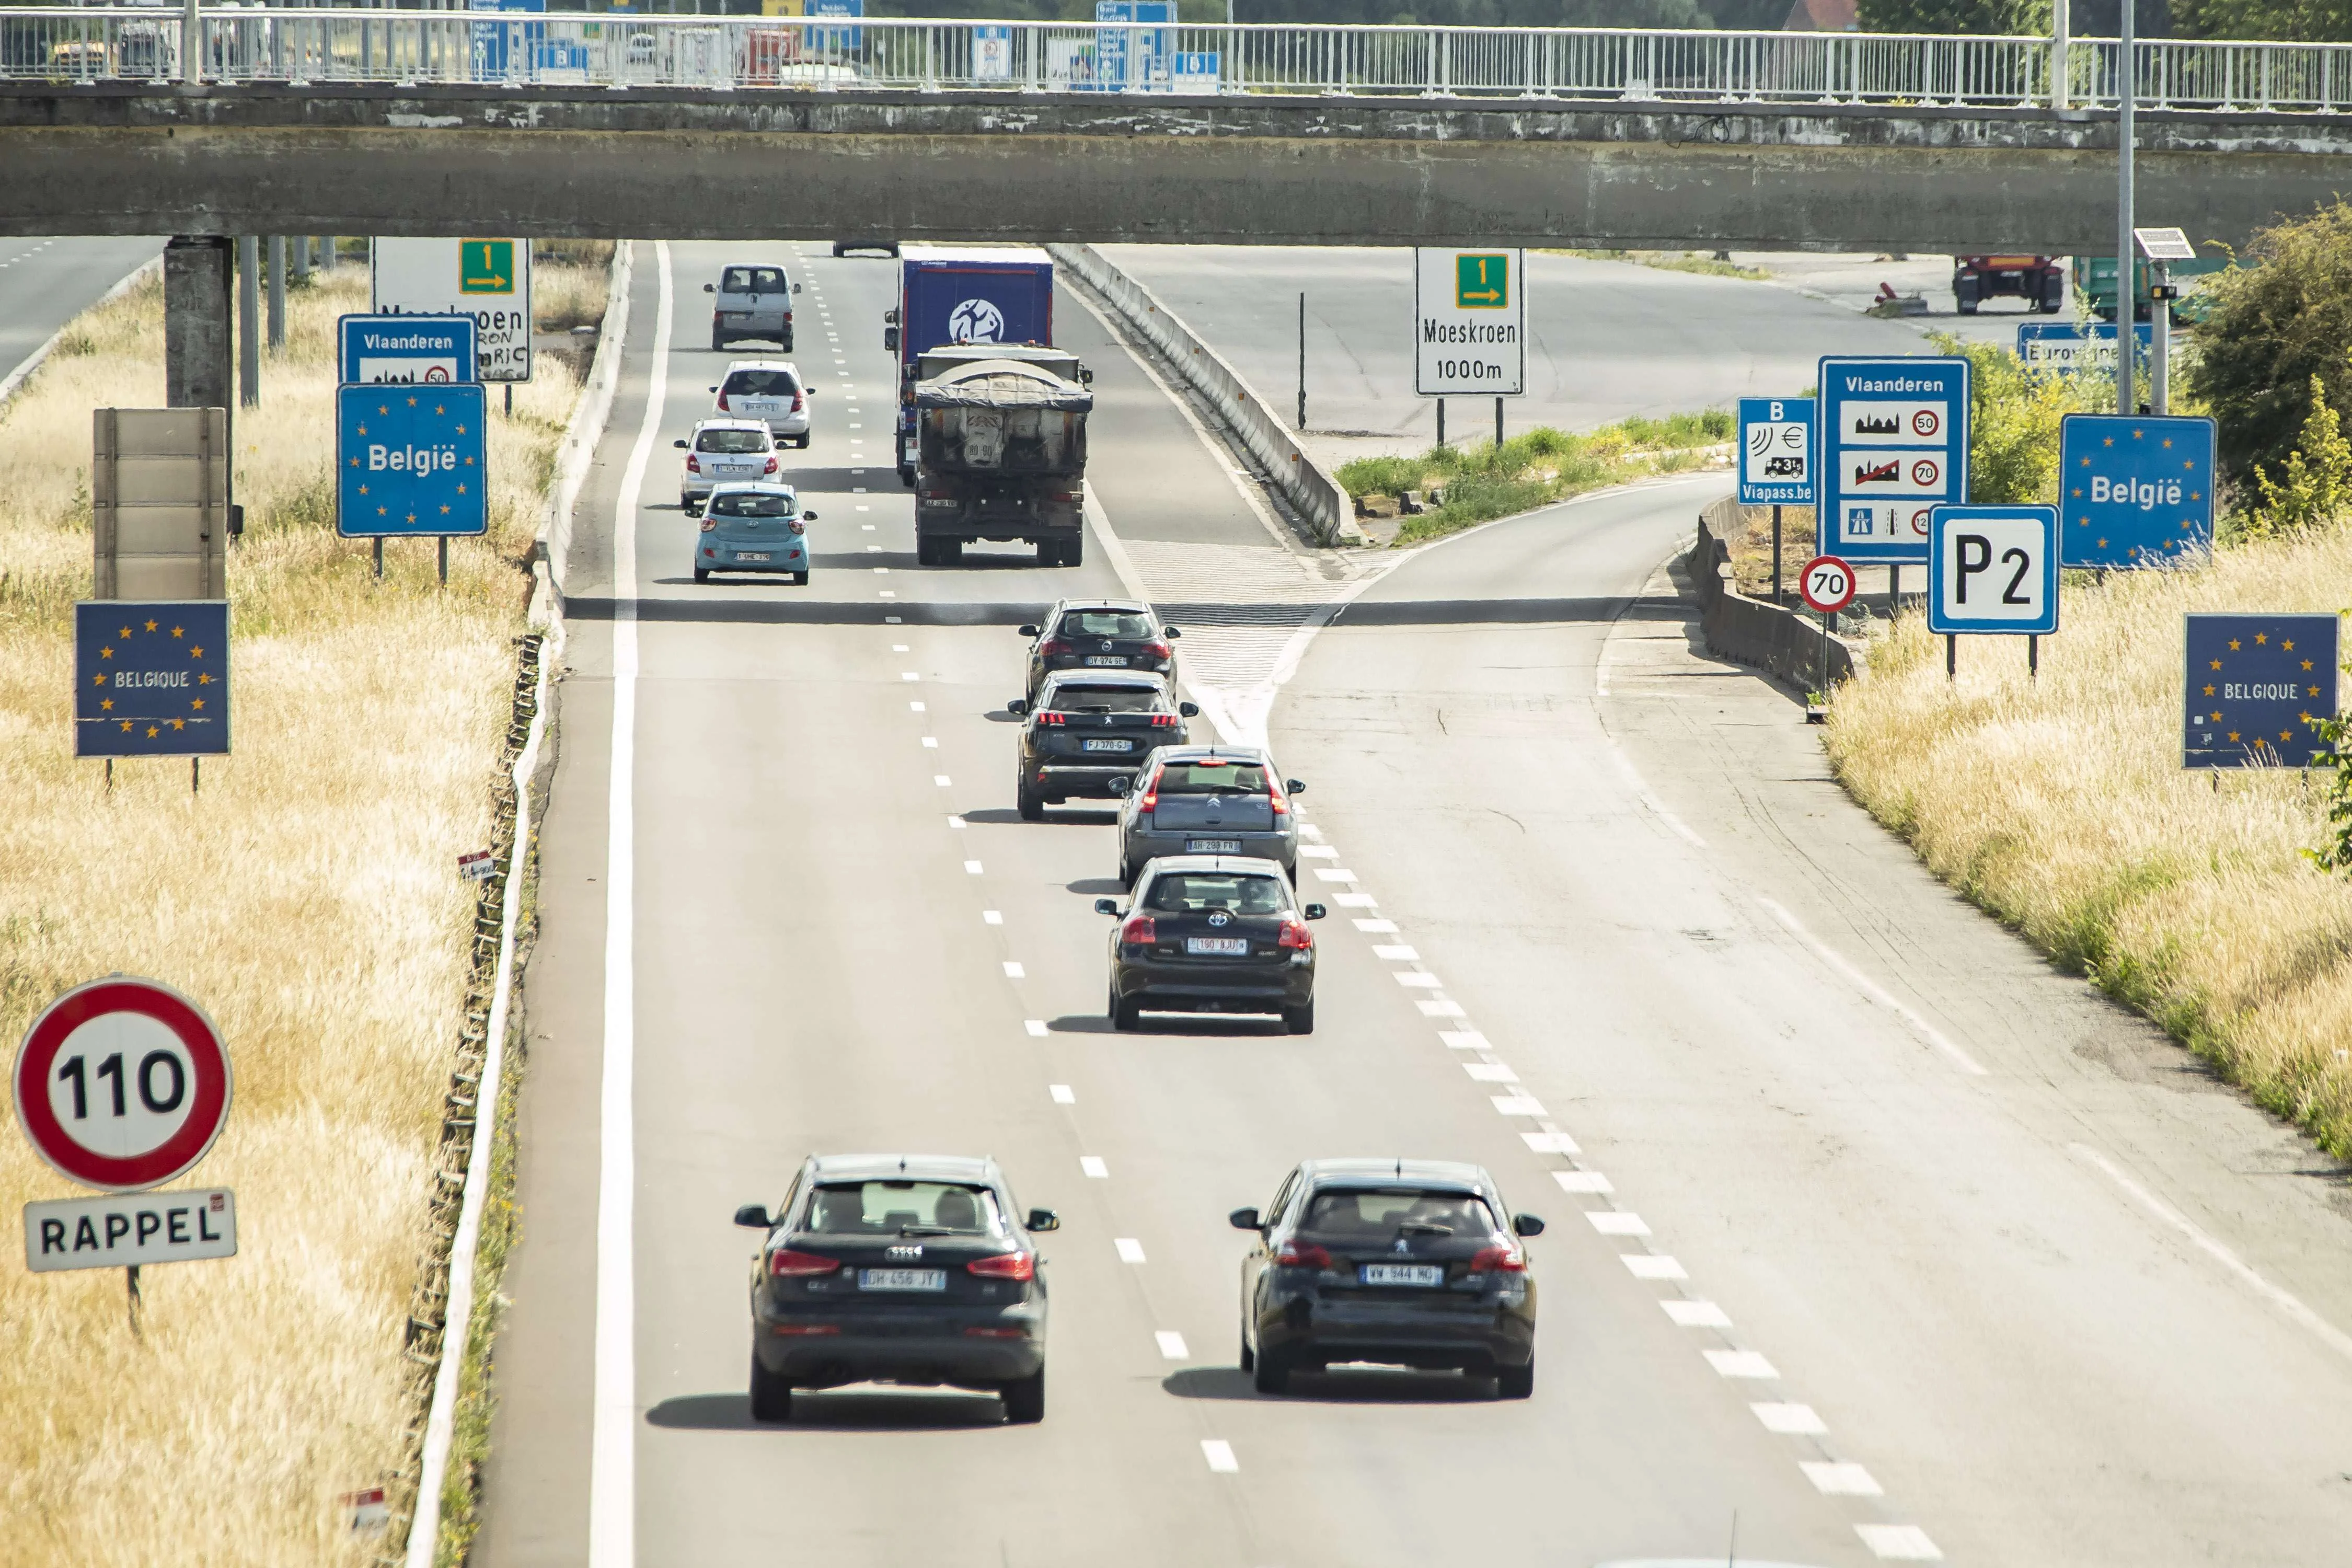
[(587, 427), (1788, 643)]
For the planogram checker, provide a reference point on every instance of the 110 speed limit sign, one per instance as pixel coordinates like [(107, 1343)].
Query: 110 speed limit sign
[(1827, 584), (121, 1084)]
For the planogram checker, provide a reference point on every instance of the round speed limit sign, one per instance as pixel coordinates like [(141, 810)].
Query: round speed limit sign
[(1827, 584), (121, 1084)]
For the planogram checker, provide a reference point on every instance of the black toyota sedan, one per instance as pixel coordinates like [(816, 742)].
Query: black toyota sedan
[(1397, 1262), (898, 1268), (1090, 729), (1099, 634), (1213, 933)]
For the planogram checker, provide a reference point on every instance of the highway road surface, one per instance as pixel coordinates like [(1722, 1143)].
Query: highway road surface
[(45, 283), (1871, 1238)]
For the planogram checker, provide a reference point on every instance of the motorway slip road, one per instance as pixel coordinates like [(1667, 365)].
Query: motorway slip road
[(1881, 1305)]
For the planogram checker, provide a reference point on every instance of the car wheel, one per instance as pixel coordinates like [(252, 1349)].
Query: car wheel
[(803, 443), (1074, 550), (1024, 1401), (1125, 1012), (1271, 1375), (951, 552), (718, 345), (926, 553), (788, 342), (1128, 872), (771, 1396), (907, 477), (800, 579), (700, 575), (1516, 1382), (838, 252), (1249, 1356), (1030, 803), (1299, 1020)]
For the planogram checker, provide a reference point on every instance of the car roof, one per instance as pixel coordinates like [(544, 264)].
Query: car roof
[(735, 364), (725, 266), (1423, 1173), (752, 487), (912, 1167), (1139, 679), (1257, 754), (1251, 865), (730, 423), (1129, 605)]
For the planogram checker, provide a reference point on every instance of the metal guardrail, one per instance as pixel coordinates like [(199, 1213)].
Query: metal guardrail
[(301, 47)]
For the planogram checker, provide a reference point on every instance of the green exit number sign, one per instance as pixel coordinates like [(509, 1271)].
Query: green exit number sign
[(1482, 282), (487, 267)]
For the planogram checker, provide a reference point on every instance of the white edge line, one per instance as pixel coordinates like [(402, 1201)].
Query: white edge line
[(2286, 1302), (1873, 990)]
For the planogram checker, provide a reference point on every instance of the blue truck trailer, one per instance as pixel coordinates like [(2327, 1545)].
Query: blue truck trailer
[(955, 295)]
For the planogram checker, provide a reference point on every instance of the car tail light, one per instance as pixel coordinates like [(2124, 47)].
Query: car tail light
[(1151, 801), (1163, 720), (797, 402), (1279, 806), (1070, 495), (797, 526), (1052, 647), (1050, 717), (977, 1331), (938, 495), (785, 1264), (722, 403), (1302, 1255), (1296, 936), (771, 468), (1501, 1256), (1004, 1266), (1140, 931), (795, 1331), (693, 464), (1155, 651), (708, 522)]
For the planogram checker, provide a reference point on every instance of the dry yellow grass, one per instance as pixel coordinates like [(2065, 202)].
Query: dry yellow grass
[(308, 898), (2062, 806)]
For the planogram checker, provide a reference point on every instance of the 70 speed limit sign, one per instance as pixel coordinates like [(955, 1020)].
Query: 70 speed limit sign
[(1827, 584)]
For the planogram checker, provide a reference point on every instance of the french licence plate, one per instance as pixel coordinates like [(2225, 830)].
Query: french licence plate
[(751, 555), (1110, 745), (1403, 1274), (902, 1279), (1114, 661), (1212, 846), (1234, 946)]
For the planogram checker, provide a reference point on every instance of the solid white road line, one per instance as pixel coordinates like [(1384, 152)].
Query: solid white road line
[(1220, 1455), (1873, 989), (613, 1458)]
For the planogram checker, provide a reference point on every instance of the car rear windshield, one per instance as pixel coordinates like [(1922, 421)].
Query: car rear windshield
[(762, 383), (902, 1207), (732, 441), (752, 506), (752, 280), (1128, 624), (1102, 699), (1387, 1211), (1213, 778), (1190, 893)]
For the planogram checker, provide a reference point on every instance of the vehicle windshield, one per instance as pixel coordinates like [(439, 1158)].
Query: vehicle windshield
[(902, 1207), (1129, 625), (1102, 699), (752, 280), (1346, 1212), (732, 441), (754, 505), (762, 383), (1213, 778), (1193, 892)]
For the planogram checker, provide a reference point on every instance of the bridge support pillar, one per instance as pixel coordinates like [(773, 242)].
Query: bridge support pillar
[(199, 347)]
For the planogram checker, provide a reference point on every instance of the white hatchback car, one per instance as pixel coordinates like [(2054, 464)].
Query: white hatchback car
[(769, 390), (724, 452)]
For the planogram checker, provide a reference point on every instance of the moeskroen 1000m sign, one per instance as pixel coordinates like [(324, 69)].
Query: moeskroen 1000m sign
[(1469, 323)]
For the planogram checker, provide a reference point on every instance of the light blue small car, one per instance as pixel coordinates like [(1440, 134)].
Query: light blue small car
[(754, 528)]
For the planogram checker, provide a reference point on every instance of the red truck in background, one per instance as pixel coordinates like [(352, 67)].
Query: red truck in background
[(2040, 281)]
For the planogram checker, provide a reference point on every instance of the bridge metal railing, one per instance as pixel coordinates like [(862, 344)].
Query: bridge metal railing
[(252, 43)]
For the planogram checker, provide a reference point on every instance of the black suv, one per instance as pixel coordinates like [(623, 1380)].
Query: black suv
[(1090, 729), (1099, 634)]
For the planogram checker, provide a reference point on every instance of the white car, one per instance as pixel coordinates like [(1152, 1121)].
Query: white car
[(769, 390), (724, 452)]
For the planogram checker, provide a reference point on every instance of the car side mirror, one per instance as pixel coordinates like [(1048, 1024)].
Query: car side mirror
[(808, 517), (714, 389), (1106, 906), (679, 445), (890, 340), (890, 316), (752, 1216), (1188, 709), (796, 288), (1086, 376), (1315, 911), (1045, 1219), (711, 287), (1017, 707), (1526, 1224), (1244, 1219), (1122, 784), (1292, 787), (1028, 631), (1172, 631)]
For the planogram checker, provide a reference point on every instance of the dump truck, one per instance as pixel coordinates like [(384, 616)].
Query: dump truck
[(2038, 281), (999, 451), (952, 295)]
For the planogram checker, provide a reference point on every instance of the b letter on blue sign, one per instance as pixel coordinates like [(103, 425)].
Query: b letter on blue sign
[(410, 460), (1993, 569), (2256, 687), (2136, 491), (1894, 445), (408, 351), (151, 679), (1776, 451)]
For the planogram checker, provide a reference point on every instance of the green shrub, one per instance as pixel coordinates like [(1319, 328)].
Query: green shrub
[(2274, 331)]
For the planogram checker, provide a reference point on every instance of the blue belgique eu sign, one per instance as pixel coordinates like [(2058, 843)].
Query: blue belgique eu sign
[(1776, 451), (2256, 687), (409, 461), (432, 351), (151, 679), (1894, 445), (2136, 491)]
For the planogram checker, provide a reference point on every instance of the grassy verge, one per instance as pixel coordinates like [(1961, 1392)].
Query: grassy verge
[(308, 898), (1483, 481), (1668, 260), (2061, 806)]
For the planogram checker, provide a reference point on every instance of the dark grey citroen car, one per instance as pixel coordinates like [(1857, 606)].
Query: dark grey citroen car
[(1208, 800), (1213, 933), (1399, 1262), (898, 1268), (1090, 729)]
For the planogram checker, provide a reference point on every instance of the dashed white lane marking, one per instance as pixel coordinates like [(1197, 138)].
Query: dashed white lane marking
[(943, 781), (1036, 1027), (881, 571), (1013, 971), (1318, 851), (1840, 1480), (1743, 1363), (1790, 1420), (1094, 1166), (1308, 830), (1334, 874), (1550, 1142), (1419, 980), (1129, 1250), (972, 868), (1873, 990), (1518, 1105), (917, 708), (901, 648), (931, 742), (2292, 1305), (889, 593), (1898, 1542), (1490, 1072), (1463, 1040), (1172, 1345), (955, 822), (1439, 1008), (908, 675), (991, 917), (1377, 928), (1220, 1455), (1356, 900), (1582, 1182), (1696, 1314), (1613, 1222), (1396, 952), (1652, 1265), (1063, 1094)]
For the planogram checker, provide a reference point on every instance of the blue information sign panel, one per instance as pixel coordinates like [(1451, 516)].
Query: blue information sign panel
[(1993, 569), (2255, 687), (151, 679), (410, 461), (1894, 445), (432, 351), (2136, 491), (1776, 451), (2069, 346), (1146, 68)]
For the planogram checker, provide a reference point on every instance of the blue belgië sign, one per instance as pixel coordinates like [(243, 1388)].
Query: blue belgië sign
[(2256, 687), (2136, 491), (1894, 445), (410, 461), (151, 679)]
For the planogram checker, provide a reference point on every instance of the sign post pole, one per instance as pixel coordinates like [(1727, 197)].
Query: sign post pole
[(1302, 359), (1827, 584), (2126, 294), (1993, 570), (1498, 422), (1776, 553), (1441, 422)]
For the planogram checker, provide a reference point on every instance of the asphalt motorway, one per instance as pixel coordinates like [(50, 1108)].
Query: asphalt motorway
[(45, 283), (1900, 1246)]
